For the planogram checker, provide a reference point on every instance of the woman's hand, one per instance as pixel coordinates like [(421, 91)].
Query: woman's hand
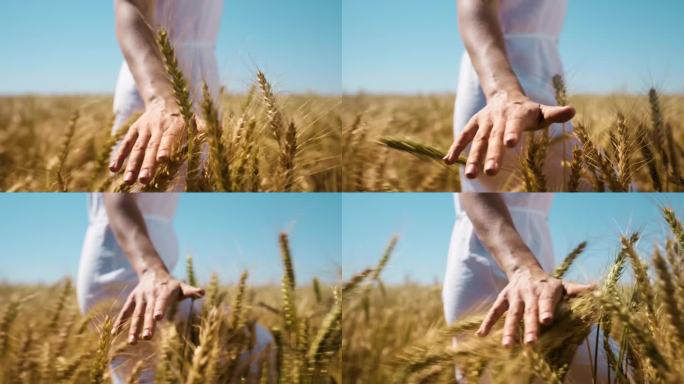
[(501, 122), (146, 305), (149, 141), (531, 295)]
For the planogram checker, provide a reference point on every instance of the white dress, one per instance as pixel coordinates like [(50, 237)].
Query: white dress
[(531, 29), (105, 272)]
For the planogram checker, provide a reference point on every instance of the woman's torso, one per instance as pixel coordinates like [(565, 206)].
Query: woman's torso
[(534, 17), (190, 21)]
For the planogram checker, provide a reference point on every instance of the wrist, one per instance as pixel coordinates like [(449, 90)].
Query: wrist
[(506, 95), (521, 261), (156, 270), (164, 103)]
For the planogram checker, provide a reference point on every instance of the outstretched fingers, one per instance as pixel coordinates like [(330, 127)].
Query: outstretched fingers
[(168, 141), (148, 324), (124, 314), (124, 149), (464, 138), (495, 312), (495, 149), (136, 320), (150, 160), (531, 318), (549, 297), (190, 292), (478, 150), (136, 158), (162, 302), (512, 321), (555, 114)]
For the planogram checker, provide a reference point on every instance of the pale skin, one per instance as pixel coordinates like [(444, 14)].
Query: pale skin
[(531, 294), (156, 290), (508, 112), (151, 139)]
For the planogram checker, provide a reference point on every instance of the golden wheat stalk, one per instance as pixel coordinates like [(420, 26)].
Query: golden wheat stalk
[(101, 358), (62, 174), (288, 284), (562, 269), (237, 319), (417, 149), (182, 96), (575, 169), (218, 157)]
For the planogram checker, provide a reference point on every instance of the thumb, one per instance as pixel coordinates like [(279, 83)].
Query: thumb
[(551, 115), (190, 292), (574, 289)]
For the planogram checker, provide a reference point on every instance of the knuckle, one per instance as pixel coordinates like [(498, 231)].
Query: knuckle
[(139, 145), (481, 139)]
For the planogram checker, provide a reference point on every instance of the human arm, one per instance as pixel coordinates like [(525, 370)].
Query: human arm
[(156, 289), (151, 138), (531, 294), (508, 111)]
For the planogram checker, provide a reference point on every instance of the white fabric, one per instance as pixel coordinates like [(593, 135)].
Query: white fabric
[(531, 29), (473, 278)]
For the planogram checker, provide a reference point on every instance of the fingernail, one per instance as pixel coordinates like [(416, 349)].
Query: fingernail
[(147, 333), (530, 338), (545, 317), (129, 177), (158, 316), (144, 174), (470, 171), (510, 140), (131, 339), (507, 341), (489, 167), (111, 166)]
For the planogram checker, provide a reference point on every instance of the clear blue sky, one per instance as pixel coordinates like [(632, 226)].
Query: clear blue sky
[(424, 222), (412, 46), (69, 46), (41, 235)]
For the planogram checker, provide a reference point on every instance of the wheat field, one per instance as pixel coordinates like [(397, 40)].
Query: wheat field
[(45, 339), (623, 143), (397, 334), (258, 141)]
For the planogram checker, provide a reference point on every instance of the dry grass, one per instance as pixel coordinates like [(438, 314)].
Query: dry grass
[(397, 333), (44, 339), (628, 142), (268, 143)]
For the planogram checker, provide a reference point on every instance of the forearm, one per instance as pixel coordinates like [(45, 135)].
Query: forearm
[(130, 231), (137, 41), (494, 227), (478, 22)]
